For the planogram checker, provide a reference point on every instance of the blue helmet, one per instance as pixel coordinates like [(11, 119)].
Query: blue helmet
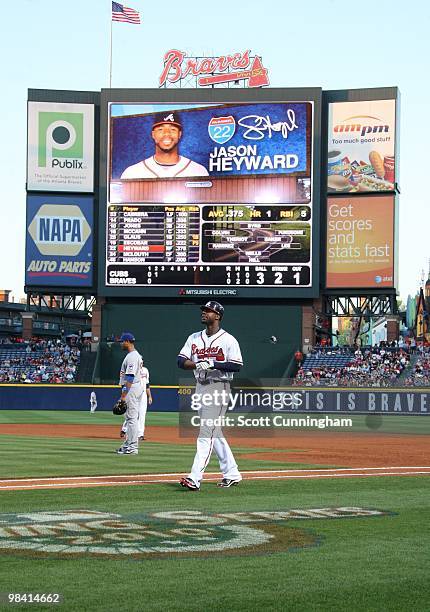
[(127, 337)]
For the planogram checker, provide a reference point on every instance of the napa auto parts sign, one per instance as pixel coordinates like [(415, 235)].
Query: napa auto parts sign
[(214, 70), (59, 242)]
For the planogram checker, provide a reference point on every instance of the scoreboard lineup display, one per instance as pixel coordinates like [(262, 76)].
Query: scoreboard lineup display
[(210, 245), (259, 233)]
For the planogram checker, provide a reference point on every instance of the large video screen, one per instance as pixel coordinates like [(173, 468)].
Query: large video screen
[(210, 195)]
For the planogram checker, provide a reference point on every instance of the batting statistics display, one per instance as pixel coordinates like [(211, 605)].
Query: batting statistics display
[(210, 195), (177, 245)]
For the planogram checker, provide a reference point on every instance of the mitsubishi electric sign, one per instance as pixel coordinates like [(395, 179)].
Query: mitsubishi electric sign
[(59, 245), (60, 149)]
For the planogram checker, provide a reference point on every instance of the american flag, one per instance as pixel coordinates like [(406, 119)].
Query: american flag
[(123, 13)]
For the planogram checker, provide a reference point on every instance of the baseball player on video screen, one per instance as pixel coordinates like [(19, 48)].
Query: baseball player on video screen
[(214, 355), (166, 161), (132, 392)]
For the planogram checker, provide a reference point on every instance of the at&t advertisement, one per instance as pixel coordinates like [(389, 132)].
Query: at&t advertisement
[(360, 242)]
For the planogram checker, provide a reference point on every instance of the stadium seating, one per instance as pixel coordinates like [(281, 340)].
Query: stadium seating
[(419, 375), (329, 359), (374, 366), (38, 362)]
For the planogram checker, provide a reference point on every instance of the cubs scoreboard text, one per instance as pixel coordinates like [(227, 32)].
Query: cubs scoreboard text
[(208, 245)]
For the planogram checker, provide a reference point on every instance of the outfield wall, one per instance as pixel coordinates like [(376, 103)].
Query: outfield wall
[(74, 397), (167, 399), (162, 328)]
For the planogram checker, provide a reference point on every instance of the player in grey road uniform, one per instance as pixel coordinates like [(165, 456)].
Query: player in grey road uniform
[(214, 355), (133, 392), (147, 401)]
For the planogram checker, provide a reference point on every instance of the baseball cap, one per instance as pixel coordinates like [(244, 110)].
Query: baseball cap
[(127, 337), (167, 117), (214, 306)]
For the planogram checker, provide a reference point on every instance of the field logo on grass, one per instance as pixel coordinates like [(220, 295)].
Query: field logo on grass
[(77, 533)]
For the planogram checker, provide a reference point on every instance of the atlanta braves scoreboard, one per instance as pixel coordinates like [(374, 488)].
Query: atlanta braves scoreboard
[(229, 207), (236, 216)]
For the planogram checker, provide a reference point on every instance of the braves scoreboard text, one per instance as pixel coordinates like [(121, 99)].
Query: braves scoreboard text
[(245, 231)]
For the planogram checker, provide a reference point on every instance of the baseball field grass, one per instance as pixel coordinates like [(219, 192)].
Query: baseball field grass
[(304, 544)]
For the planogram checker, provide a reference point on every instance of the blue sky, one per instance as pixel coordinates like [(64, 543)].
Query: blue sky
[(59, 44)]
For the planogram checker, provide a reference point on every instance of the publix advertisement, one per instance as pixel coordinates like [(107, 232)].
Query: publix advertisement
[(361, 146), (60, 147)]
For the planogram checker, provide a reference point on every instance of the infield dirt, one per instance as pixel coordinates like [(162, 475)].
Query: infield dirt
[(342, 449)]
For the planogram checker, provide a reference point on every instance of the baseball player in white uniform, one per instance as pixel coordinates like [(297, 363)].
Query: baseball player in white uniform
[(143, 406), (93, 401), (214, 355), (132, 392), (166, 161)]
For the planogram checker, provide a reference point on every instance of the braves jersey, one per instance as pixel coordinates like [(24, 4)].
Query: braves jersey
[(132, 365), (150, 168), (218, 348)]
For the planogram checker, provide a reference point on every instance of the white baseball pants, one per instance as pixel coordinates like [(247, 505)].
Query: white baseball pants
[(212, 438), (133, 400), (142, 408)]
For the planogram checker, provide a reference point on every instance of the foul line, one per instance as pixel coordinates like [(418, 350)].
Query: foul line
[(155, 474), (172, 477), (249, 472)]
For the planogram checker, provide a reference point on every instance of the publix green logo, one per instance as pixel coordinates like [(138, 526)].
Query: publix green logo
[(61, 139), (73, 533)]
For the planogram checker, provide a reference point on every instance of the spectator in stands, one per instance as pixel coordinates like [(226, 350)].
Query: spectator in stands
[(420, 373), (298, 356), (376, 367), (48, 361)]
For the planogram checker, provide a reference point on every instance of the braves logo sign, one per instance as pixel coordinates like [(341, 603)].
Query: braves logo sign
[(236, 67), (211, 352)]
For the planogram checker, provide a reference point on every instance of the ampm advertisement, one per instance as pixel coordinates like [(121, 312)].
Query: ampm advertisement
[(360, 242), (60, 148), (361, 146), (159, 141), (59, 241)]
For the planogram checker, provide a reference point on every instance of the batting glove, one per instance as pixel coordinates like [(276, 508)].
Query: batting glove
[(203, 365)]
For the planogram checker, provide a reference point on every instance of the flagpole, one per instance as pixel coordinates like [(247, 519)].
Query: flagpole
[(110, 63)]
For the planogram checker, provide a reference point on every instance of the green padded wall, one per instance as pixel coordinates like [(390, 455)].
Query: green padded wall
[(161, 330)]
